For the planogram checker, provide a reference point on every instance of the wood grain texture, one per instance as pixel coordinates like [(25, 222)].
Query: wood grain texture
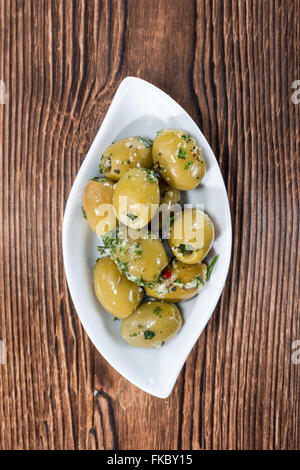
[(231, 64)]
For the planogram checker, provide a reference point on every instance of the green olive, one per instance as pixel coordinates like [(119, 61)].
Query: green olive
[(139, 254), (179, 281), (136, 197), (128, 153), (151, 325), (119, 296), (97, 205), (191, 236), (168, 195), (178, 158)]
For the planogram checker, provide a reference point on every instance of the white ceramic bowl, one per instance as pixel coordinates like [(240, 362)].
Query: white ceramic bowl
[(140, 108)]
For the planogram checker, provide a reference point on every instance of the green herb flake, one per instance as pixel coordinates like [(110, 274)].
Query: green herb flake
[(124, 249), (185, 249), (101, 250), (147, 142), (116, 318), (83, 213), (148, 334), (138, 281), (137, 249), (150, 176), (157, 311), (148, 284), (123, 267), (99, 179), (211, 266), (186, 137), (132, 216), (181, 154), (188, 164), (133, 334), (178, 281), (199, 282)]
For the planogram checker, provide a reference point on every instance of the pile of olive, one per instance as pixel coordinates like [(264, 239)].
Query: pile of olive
[(134, 261)]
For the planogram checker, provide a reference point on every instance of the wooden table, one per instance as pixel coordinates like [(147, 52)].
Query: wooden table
[(231, 64)]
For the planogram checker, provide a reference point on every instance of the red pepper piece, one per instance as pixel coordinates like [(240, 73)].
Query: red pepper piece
[(166, 274)]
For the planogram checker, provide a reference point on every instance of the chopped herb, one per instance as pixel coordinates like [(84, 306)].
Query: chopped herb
[(148, 334), (137, 249), (107, 165), (133, 334), (147, 142), (186, 137), (211, 266), (110, 241), (117, 171), (188, 164), (199, 282), (123, 267), (178, 281), (148, 284), (157, 311), (83, 213), (138, 281), (181, 154), (150, 176), (99, 179), (159, 132), (124, 248), (185, 249), (132, 216), (116, 318)]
